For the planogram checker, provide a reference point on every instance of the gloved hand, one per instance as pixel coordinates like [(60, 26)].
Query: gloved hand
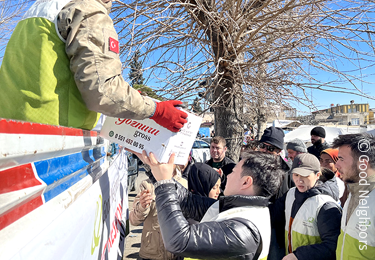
[(168, 116)]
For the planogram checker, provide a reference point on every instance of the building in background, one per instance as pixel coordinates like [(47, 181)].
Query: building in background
[(349, 114)]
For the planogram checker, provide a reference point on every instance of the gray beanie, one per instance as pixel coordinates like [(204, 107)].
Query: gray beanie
[(297, 145)]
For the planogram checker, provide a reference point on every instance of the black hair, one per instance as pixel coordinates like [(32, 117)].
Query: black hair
[(326, 175), (265, 170), (360, 144)]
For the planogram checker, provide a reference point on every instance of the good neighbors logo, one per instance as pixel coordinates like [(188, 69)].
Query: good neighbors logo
[(362, 211)]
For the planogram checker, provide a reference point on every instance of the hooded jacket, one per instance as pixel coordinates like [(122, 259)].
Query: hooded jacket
[(328, 220), (185, 172), (230, 237), (201, 179)]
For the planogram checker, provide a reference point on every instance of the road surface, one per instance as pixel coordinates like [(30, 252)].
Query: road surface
[(133, 240)]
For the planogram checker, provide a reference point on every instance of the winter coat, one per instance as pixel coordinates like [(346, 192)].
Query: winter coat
[(328, 221), (152, 246), (227, 166), (317, 149), (357, 240), (185, 173), (277, 247), (287, 182), (235, 238)]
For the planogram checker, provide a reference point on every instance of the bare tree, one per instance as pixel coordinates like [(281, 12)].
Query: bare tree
[(10, 13), (255, 50)]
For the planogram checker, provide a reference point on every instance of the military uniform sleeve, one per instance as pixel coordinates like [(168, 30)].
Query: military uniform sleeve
[(94, 60)]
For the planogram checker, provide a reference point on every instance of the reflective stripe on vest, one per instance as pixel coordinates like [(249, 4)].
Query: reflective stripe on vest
[(304, 228), (357, 238), (38, 85), (260, 216)]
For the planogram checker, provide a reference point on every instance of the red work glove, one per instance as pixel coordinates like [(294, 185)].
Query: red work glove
[(168, 116)]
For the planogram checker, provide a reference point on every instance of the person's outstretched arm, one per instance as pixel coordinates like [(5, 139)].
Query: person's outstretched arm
[(186, 199), (193, 206), (207, 240), (92, 46)]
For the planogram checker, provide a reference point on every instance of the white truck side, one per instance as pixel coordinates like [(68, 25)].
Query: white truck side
[(60, 196)]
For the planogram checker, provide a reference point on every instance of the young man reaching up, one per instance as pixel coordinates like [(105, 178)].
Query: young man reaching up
[(236, 226)]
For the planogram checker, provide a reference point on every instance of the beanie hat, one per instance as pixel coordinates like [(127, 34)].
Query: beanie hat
[(318, 131), (273, 136), (297, 145), (333, 153)]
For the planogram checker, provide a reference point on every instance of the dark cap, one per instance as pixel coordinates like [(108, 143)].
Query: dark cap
[(273, 136), (304, 164), (318, 131)]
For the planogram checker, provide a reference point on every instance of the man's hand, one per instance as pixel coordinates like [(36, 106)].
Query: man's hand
[(168, 116), (290, 256), (161, 171), (145, 199)]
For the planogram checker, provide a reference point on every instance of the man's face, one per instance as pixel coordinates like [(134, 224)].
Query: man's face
[(315, 139), (217, 152), (347, 166), (267, 148), (234, 180), (327, 162), (292, 154)]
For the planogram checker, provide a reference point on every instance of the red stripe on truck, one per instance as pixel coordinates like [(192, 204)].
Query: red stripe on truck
[(17, 178), (20, 127), (21, 210)]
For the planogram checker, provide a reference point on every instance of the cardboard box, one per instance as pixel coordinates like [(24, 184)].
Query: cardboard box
[(139, 135)]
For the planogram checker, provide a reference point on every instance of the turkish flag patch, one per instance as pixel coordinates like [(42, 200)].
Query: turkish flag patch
[(114, 45)]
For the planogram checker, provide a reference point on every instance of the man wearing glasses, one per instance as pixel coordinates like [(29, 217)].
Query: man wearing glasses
[(272, 142)]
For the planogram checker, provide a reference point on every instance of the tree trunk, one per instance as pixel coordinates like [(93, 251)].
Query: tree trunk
[(261, 122), (229, 120)]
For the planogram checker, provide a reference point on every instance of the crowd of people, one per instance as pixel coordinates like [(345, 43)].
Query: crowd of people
[(280, 201), (275, 203)]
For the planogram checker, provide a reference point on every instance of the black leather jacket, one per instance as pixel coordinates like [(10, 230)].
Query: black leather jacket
[(234, 238)]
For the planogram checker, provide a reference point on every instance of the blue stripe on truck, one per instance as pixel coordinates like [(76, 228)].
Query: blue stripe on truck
[(61, 173)]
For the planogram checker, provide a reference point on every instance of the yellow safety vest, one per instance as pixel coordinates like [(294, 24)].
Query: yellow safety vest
[(357, 238), (304, 228), (36, 82)]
